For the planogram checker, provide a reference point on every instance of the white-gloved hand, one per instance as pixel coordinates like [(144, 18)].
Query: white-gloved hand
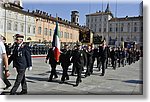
[(30, 68)]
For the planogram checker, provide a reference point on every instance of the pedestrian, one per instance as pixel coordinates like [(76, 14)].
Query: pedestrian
[(53, 63), (21, 58), (4, 64), (79, 61)]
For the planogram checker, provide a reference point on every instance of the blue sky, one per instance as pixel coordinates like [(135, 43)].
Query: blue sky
[(63, 9)]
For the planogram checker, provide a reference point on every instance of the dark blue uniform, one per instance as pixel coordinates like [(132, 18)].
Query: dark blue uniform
[(53, 63), (21, 58)]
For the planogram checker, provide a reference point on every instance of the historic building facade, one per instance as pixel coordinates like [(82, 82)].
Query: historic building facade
[(113, 29), (16, 21), (37, 26)]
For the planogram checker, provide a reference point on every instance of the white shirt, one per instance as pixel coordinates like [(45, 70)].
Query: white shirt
[(2, 51)]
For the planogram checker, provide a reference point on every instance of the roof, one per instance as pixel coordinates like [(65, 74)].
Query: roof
[(126, 18), (100, 13)]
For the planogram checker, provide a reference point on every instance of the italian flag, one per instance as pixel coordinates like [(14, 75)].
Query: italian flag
[(56, 43)]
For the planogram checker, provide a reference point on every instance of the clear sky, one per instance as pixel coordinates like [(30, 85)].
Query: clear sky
[(63, 9)]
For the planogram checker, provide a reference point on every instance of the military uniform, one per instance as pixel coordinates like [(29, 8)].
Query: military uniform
[(65, 63), (21, 58), (53, 63), (79, 61)]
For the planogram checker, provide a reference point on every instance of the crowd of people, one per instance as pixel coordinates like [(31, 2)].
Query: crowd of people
[(81, 57)]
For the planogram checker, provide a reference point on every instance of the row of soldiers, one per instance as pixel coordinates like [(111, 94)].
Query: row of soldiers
[(83, 58)]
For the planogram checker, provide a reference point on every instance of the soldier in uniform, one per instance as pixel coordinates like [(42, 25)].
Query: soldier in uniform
[(21, 58), (89, 53), (79, 61), (113, 56), (65, 62), (103, 53), (53, 63)]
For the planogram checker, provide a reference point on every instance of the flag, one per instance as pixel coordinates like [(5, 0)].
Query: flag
[(56, 43)]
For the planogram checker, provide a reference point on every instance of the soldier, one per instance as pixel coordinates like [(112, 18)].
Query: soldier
[(79, 61), (113, 56), (65, 62), (121, 56), (21, 58), (103, 53), (53, 63), (89, 53)]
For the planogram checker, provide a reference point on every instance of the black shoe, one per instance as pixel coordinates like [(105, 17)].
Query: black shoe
[(13, 93), (56, 77), (49, 80), (76, 85), (62, 82), (23, 93), (102, 74), (67, 78), (7, 87)]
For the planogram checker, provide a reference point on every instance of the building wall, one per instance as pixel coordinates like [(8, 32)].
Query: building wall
[(67, 33), (128, 30)]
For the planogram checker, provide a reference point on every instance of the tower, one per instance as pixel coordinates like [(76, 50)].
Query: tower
[(75, 17)]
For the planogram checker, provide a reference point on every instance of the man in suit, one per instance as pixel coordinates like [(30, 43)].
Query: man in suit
[(103, 53), (79, 61), (65, 62), (21, 58), (53, 63)]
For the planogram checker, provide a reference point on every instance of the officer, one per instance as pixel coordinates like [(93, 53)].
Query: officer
[(79, 61), (21, 58), (53, 63), (103, 53), (65, 62)]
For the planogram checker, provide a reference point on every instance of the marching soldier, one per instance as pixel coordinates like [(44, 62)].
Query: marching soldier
[(79, 61), (113, 56), (65, 62), (103, 53), (53, 63), (21, 58), (89, 53)]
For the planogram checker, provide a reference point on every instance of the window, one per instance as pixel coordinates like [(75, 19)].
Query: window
[(33, 29), (70, 36), (29, 28), (62, 34), (45, 31), (16, 26), (39, 30), (22, 27), (116, 29), (50, 32), (104, 29), (99, 29), (110, 29), (121, 29), (135, 29), (9, 25), (73, 19)]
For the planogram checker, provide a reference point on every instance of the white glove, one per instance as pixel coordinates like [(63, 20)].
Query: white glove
[(30, 68)]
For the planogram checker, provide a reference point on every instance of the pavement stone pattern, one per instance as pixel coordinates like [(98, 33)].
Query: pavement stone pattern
[(126, 80)]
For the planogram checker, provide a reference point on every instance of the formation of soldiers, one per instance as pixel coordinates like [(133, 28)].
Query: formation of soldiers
[(83, 58)]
